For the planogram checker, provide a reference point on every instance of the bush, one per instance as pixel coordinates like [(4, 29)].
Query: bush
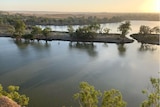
[(89, 97), (12, 93)]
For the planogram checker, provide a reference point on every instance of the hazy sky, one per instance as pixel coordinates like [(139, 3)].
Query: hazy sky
[(82, 5)]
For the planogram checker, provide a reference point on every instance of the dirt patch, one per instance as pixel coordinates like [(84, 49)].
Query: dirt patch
[(6, 102)]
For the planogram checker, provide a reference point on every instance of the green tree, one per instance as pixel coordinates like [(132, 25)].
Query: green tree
[(12, 93), (124, 28), (153, 94), (113, 98), (36, 30), (88, 96), (144, 29), (46, 32), (19, 28), (88, 31)]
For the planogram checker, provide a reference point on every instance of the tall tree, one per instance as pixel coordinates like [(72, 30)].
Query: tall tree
[(46, 32), (124, 28), (36, 31), (19, 28)]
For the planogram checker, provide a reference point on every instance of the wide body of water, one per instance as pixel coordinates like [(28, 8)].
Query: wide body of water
[(50, 73)]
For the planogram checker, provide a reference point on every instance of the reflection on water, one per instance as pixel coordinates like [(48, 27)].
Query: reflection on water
[(147, 47), (121, 49), (22, 44), (84, 46)]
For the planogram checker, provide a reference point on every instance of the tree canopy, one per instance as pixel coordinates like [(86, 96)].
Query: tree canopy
[(124, 28)]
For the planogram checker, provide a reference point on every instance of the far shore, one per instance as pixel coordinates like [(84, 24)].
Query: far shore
[(64, 36)]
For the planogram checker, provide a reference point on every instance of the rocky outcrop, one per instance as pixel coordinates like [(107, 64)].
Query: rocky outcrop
[(6, 102)]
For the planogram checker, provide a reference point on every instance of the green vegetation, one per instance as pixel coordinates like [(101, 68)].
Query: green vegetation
[(87, 32), (147, 30), (12, 93), (46, 32), (36, 31), (153, 94), (19, 27), (124, 28), (88, 96)]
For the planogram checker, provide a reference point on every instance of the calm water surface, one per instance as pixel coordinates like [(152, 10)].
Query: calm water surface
[(50, 73)]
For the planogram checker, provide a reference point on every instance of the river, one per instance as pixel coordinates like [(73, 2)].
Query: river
[(50, 73)]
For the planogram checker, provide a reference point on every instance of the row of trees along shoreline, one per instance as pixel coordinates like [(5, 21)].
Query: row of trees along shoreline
[(19, 30)]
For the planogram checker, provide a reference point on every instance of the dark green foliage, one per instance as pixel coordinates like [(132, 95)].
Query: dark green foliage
[(36, 30), (28, 36), (46, 31), (124, 28), (12, 93), (19, 28), (87, 32), (89, 97)]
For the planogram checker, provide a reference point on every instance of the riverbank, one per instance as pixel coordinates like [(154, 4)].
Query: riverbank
[(64, 36), (148, 38)]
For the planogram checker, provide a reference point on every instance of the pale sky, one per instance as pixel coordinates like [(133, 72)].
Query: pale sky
[(81, 5)]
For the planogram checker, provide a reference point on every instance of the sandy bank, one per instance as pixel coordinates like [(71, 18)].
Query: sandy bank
[(63, 36)]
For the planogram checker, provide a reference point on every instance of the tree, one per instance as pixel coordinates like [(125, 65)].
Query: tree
[(70, 30), (19, 28), (106, 30), (156, 29), (124, 28), (46, 32), (153, 94), (12, 93), (88, 31), (88, 96), (36, 31), (144, 29), (113, 98)]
